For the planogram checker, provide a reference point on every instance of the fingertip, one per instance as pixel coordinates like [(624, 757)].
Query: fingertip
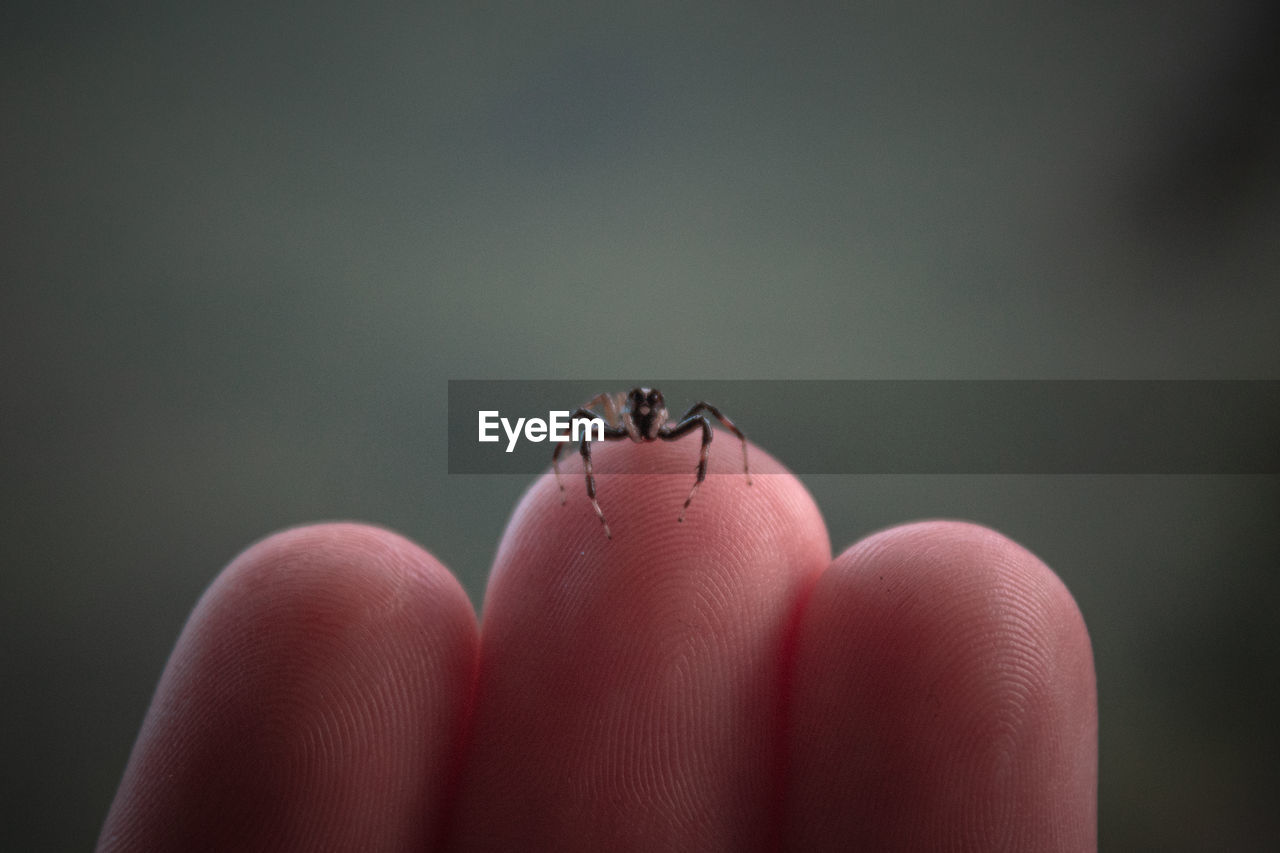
[(944, 692), (637, 484), (339, 562), (630, 687), (314, 696)]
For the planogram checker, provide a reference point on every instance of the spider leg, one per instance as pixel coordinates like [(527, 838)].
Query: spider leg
[(610, 434), (582, 412), (555, 466), (610, 403), (688, 424), (728, 424)]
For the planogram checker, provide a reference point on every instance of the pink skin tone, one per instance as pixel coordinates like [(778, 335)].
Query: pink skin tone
[(721, 684)]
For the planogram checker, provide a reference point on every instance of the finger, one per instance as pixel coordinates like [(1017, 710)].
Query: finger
[(944, 697), (313, 702), (630, 688)]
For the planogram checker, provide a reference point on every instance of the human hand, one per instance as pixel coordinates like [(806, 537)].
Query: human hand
[(719, 684)]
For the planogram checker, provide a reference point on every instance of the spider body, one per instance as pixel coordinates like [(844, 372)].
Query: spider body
[(641, 416)]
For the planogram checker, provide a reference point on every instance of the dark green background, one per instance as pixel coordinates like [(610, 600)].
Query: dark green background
[(244, 249)]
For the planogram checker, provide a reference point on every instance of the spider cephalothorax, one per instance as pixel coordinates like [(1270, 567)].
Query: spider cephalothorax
[(641, 415)]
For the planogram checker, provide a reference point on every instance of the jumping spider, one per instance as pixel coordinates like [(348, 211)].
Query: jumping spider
[(641, 415)]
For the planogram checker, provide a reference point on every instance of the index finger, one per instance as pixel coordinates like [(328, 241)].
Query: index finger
[(631, 689)]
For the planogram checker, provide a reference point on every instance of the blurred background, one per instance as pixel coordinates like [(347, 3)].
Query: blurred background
[(243, 249)]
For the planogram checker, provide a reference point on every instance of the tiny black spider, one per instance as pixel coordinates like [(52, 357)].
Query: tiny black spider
[(641, 415)]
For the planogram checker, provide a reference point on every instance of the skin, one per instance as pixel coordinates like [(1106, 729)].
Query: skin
[(720, 684)]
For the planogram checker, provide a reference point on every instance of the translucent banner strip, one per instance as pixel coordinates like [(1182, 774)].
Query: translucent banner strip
[(912, 426)]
